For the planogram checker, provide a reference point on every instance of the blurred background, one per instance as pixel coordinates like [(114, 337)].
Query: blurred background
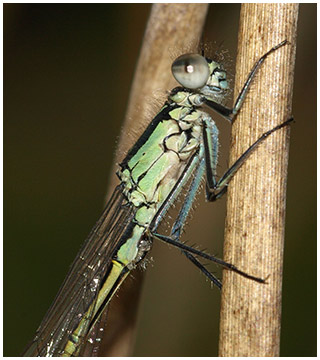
[(67, 75)]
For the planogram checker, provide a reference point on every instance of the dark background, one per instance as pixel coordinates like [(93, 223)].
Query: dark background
[(67, 74)]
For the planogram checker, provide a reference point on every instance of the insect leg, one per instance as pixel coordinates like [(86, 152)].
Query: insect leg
[(196, 166), (191, 250), (217, 189), (230, 114)]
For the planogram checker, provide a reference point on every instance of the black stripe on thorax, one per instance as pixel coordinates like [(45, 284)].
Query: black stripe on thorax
[(162, 115)]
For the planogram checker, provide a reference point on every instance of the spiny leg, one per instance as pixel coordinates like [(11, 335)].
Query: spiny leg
[(221, 186), (182, 217), (197, 167), (191, 250), (230, 114)]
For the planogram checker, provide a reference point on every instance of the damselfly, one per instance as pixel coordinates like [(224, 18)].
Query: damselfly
[(178, 148)]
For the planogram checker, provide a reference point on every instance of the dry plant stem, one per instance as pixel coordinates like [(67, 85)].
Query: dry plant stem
[(168, 29), (254, 240)]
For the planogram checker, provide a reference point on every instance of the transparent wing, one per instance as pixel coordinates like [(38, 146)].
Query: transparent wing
[(91, 348), (81, 286)]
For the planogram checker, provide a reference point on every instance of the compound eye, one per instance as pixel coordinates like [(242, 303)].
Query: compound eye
[(191, 70)]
